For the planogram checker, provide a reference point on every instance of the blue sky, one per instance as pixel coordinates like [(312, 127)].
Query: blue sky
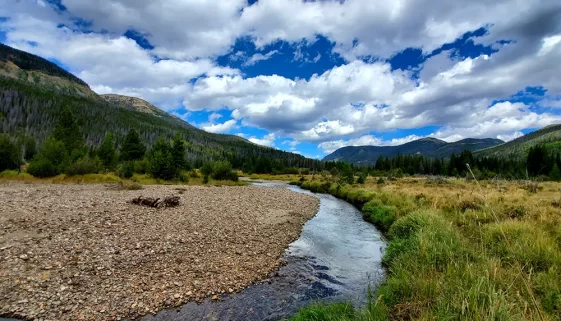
[(313, 76)]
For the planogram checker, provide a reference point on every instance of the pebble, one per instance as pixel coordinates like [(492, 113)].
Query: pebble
[(100, 257)]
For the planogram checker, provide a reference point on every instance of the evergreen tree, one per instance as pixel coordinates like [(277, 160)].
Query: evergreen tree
[(132, 148), (555, 174), (160, 159), (538, 161), (68, 132), (9, 154), (178, 152), (30, 148), (106, 152)]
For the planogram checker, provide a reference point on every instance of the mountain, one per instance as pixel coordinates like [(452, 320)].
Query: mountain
[(430, 147), (33, 91), (134, 103), (518, 148)]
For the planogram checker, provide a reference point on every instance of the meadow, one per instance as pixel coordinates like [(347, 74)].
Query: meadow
[(457, 249)]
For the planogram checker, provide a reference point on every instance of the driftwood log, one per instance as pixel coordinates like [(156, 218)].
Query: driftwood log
[(169, 201)]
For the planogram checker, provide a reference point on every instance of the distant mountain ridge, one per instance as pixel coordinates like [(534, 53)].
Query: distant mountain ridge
[(30, 62), (429, 147), (518, 148)]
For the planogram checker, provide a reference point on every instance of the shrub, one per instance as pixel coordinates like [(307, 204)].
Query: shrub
[(194, 174), (205, 179), (381, 181), (222, 170), (409, 224), (207, 168), (126, 170), (42, 168), (9, 154), (361, 178), (184, 176), (53, 159), (380, 215), (141, 166), (85, 165)]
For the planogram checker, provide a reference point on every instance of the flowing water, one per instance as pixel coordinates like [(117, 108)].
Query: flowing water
[(337, 257)]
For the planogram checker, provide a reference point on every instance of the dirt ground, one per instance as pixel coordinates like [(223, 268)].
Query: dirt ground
[(75, 252)]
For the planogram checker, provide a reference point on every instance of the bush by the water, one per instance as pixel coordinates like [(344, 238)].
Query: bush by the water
[(379, 214), (222, 170)]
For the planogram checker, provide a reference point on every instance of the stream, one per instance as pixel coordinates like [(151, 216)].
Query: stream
[(336, 258)]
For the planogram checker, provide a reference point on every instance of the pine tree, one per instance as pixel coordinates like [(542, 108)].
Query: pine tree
[(539, 161), (160, 159), (178, 152), (9, 154), (132, 148), (30, 148), (106, 152), (555, 174), (68, 132)]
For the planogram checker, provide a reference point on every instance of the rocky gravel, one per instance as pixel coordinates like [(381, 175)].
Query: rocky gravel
[(83, 252)]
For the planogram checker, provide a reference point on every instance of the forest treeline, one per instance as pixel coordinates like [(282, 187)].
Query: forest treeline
[(66, 151), (33, 111), (540, 162)]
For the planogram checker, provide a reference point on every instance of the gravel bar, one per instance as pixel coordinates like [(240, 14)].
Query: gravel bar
[(82, 252)]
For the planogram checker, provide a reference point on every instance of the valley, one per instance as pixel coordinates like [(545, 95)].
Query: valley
[(426, 230)]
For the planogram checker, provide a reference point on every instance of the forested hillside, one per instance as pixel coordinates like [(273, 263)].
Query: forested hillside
[(30, 109), (427, 147), (518, 148)]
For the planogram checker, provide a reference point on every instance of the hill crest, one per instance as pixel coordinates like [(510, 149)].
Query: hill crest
[(428, 146)]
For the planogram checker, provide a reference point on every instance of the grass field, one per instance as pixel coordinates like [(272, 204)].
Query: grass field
[(458, 250)]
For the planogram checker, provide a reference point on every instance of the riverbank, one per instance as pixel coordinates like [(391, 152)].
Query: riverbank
[(74, 252), (448, 256)]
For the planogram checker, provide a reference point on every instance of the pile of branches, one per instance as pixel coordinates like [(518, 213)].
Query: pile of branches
[(169, 201)]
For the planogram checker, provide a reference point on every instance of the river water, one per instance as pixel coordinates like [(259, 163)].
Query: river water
[(337, 257)]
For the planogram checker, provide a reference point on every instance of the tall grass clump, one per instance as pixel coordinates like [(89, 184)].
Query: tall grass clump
[(383, 216)]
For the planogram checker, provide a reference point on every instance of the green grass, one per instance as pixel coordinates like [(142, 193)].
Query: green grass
[(320, 312), (447, 257)]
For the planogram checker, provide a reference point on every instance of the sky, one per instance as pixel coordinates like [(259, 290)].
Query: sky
[(313, 76)]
